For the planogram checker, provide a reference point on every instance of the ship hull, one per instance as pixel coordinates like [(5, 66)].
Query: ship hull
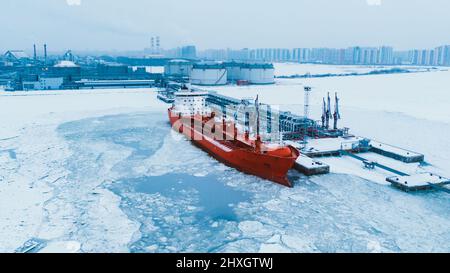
[(273, 168)]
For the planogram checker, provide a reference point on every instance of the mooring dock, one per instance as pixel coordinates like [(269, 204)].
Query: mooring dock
[(378, 162), (322, 147), (422, 181), (310, 166), (336, 148), (395, 152)]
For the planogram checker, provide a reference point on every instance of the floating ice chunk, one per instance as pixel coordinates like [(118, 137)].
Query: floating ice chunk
[(254, 229), (191, 208), (274, 205), (298, 244), (201, 174), (273, 248), (152, 248), (62, 247), (170, 219), (374, 246)]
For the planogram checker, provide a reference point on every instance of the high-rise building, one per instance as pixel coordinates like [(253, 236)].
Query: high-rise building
[(386, 55), (189, 52)]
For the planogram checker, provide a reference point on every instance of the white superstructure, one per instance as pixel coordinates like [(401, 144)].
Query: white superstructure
[(190, 103)]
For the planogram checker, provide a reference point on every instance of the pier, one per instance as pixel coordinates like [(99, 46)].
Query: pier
[(315, 141), (396, 152), (422, 181), (309, 166)]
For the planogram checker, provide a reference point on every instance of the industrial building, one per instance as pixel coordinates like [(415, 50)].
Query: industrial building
[(16, 56), (43, 83), (209, 74)]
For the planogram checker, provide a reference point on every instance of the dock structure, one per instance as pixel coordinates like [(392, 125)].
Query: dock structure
[(99, 84), (315, 141), (395, 152), (309, 166), (416, 182), (323, 147), (291, 126), (166, 97)]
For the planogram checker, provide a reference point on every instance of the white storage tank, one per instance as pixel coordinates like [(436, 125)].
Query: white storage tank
[(208, 74), (178, 68), (233, 71), (258, 73)]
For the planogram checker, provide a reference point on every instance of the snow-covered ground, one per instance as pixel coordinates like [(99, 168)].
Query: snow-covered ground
[(291, 69), (100, 171), (37, 198)]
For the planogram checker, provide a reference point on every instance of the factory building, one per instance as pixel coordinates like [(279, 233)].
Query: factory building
[(43, 83), (16, 57), (209, 74), (178, 69), (113, 71)]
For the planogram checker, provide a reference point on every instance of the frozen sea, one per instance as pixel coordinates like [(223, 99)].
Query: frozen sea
[(101, 171)]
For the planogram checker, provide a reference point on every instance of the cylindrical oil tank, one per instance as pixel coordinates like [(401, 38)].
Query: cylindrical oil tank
[(233, 71), (258, 73), (209, 74), (178, 69)]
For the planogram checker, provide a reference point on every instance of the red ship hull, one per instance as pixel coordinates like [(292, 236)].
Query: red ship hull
[(269, 164)]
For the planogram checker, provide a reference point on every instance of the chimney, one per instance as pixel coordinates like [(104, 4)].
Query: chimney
[(45, 52), (35, 54)]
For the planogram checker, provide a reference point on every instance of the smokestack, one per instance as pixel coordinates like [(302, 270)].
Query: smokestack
[(45, 52), (35, 54)]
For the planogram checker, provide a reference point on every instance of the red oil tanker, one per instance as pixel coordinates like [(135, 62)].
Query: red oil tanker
[(222, 140)]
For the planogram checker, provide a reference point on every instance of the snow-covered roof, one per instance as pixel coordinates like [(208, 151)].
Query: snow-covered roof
[(18, 54), (179, 61), (66, 64), (209, 65)]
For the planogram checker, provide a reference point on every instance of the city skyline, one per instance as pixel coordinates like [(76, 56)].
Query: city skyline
[(116, 25)]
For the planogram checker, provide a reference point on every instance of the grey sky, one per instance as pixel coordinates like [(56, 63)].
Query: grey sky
[(128, 25)]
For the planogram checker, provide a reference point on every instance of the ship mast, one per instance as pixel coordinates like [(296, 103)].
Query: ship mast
[(257, 115), (258, 137), (337, 114)]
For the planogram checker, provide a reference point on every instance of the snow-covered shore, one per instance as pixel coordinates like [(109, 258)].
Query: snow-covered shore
[(37, 199)]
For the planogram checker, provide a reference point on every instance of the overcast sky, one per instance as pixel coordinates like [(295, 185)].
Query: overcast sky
[(128, 25)]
